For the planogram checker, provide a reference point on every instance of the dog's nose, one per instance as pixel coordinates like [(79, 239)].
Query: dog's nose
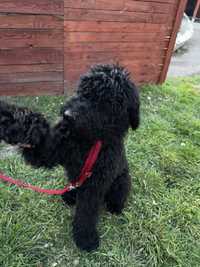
[(68, 113)]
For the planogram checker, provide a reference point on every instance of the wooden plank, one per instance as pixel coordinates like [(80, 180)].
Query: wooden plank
[(78, 64), (123, 16), (112, 5), (161, 1), (28, 89), (115, 46), (142, 74), (90, 37), (111, 27), (155, 56), (22, 56), (141, 67), (73, 75), (138, 79), (128, 5), (25, 77), (79, 3), (149, 7), (75, 71), (138, 65), (31, 68), (177, 22), (92, 4), (19, 21), (32, 6), (31, 38), (141, 80)]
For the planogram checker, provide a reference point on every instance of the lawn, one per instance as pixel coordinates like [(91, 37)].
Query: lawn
[(161, 223)]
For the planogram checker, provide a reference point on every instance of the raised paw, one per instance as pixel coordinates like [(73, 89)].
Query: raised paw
[(86, 239)]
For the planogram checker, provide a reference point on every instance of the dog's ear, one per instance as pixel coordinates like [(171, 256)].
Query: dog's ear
[(134, 106)]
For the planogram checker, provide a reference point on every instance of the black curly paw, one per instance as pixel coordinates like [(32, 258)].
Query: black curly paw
[(69, 198), (36, 129), (86, 239), (114, 208)]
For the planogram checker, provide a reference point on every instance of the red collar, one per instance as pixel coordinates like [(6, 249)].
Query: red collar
[(86, 172)]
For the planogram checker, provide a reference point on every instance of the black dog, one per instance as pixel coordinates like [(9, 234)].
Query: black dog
[(105, 105)]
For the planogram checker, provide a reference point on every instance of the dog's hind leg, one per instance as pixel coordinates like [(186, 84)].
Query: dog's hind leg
[(117, 195)]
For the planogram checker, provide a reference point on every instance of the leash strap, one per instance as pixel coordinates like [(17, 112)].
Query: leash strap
[(86, 172)]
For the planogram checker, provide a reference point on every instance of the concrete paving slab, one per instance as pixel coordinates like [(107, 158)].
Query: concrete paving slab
[(186, 61)]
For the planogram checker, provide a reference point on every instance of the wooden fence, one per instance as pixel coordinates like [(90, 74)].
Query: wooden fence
[(46, 45)]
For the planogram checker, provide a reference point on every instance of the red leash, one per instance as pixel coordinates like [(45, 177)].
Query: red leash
[(86, 172)]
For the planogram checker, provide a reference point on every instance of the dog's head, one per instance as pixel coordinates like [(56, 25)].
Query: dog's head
[(105, 105)]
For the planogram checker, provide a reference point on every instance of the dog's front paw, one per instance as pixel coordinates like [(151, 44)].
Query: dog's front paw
[(37, 130), (36, 135), (86, 239)]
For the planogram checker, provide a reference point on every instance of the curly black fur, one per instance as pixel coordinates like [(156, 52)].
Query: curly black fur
[(105, 105)]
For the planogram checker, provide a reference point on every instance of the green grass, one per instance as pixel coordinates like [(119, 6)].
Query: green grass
[(161, 223)]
